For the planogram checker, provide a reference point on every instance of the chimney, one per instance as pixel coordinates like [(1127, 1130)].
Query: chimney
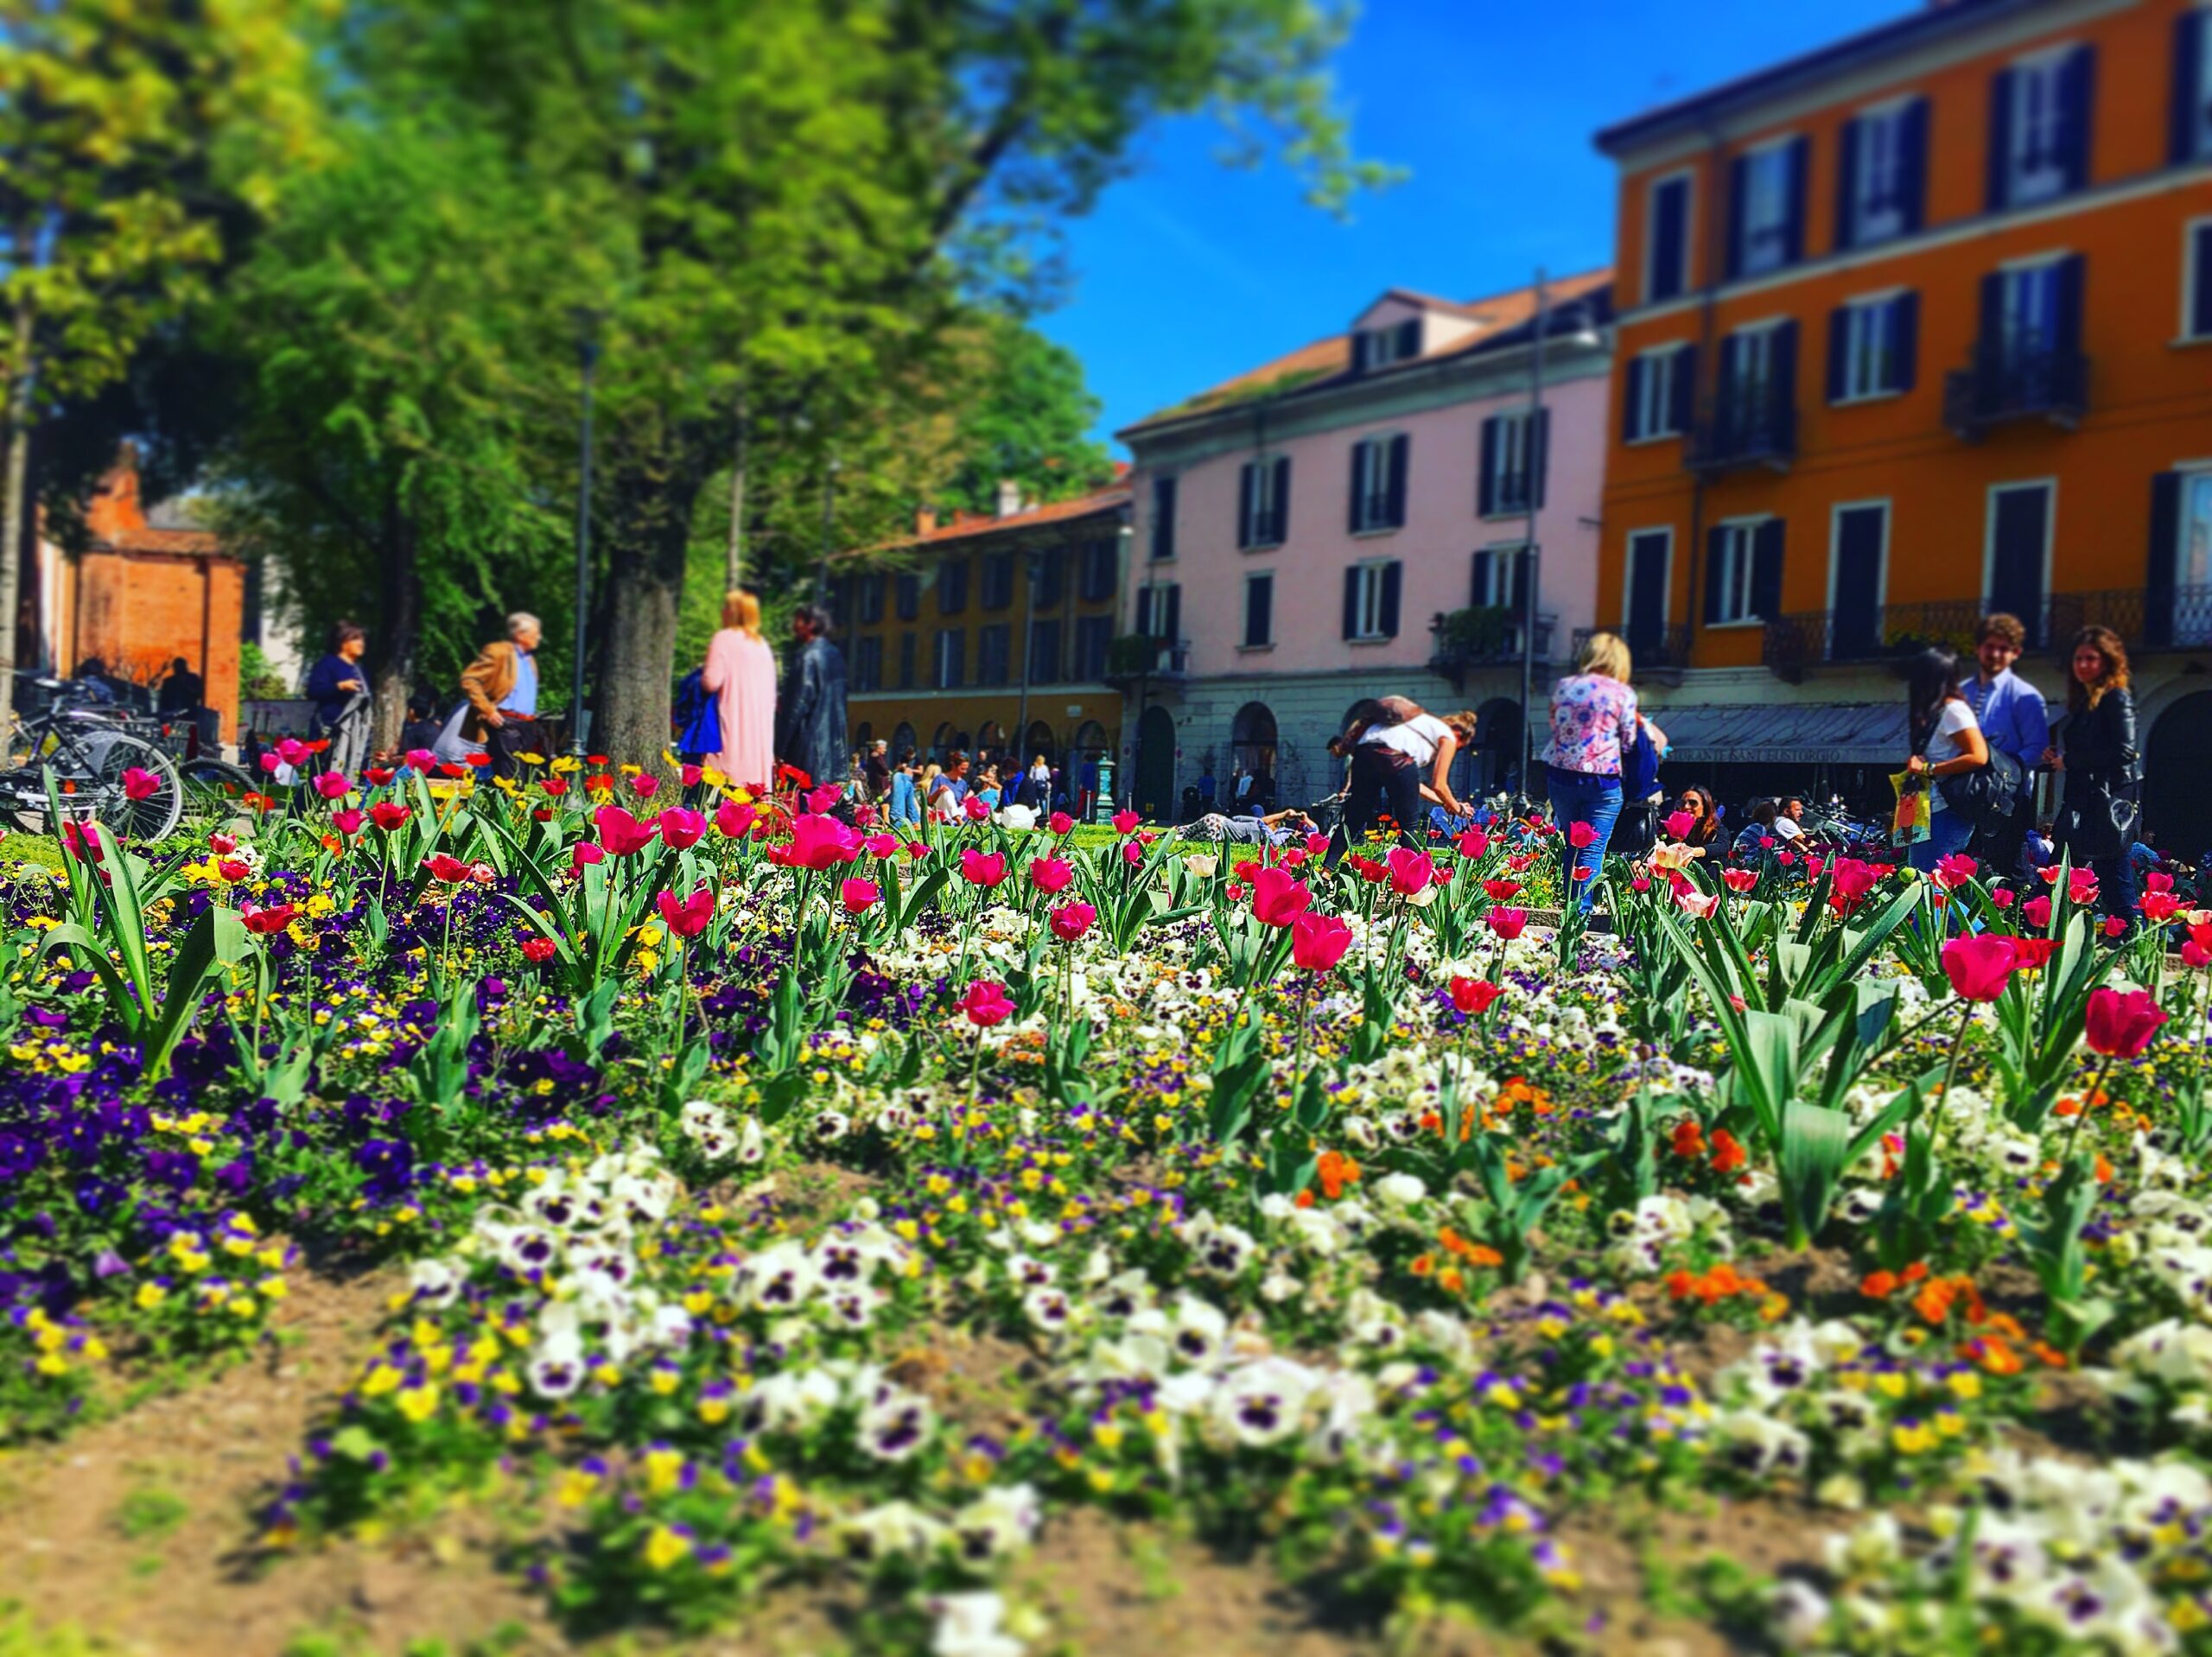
[(1009, 498), (925, 521)]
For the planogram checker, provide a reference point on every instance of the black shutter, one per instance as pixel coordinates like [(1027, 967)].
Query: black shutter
[(1518, 595), (1846, 181), (2189, 97), (1144, 612), (1357, 521), (1540, 456), (1784, 406), (2200, 302), (1163, 518), (1999, 158), (1401, 452), (1478, 587), (1904, 311), (1247, 479), (1766, 570), (1793, 222), (1280, 529), (2077, 96), (1912, 165), (1352, 602), (1259, 608), (2071, 271), (1716, 539), (1737, 169), (2159, 594), (1487, 485), (1631, 399), (1359, 353), (1669, 211), (1389, 616), (1409, 339), (1171, 628), (1685, 389), (1992, 335), (1838, 345)]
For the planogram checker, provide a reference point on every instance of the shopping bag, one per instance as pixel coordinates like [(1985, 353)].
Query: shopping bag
[(1912, 821)]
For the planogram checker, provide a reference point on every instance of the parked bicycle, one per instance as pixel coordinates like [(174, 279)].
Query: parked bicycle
[(101, 771)]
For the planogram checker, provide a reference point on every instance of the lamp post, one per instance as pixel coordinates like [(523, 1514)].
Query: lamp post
[(828, 528), (587, 323)]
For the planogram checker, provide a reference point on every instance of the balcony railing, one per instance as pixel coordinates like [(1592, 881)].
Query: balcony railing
[(2005, 382), (1795, 645), (1137, 656), (1735, 435), (1485, 636)]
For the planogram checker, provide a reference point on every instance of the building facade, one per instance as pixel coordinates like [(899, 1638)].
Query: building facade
[(1354, 519), (990, 634), (1913, 328)]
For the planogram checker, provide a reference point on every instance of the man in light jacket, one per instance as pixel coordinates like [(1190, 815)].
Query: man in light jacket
[(2014, 720), (501, 686)]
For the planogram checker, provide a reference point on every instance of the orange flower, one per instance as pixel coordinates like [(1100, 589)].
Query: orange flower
[(1336, 1171), (1688, 1139), (1878, 1285), (1728, 1154)]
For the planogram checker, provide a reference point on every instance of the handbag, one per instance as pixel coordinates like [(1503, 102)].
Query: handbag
[(702, 733), (1987, 791)]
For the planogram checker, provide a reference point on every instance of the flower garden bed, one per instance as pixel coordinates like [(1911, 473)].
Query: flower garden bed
[(532, 1220)]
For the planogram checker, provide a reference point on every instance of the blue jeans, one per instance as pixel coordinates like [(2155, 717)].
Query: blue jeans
[(1580, 796), (1949, 832)]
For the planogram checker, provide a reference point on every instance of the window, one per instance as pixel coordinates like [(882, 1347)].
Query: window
[(994, 653), (2031, 312), (1514, 458), (1871, 344), (951, 587), (1163, 518), (2192, 90), (1758, 381), (2196, 280), (906, 652), (1884, 158), (998, 580), (1094, 637), (1264, 503), (1743, 571), (1045, 653), (2039, 127), (1667, 273), (867, 662), (1378, 485), (1661, 394), (951, 658), (1048, 588), (1160, 610), (1380, 347), (1101, 571), (1501, 578), (909, 596), (870, 608), (1371, 600), (1259, 611), (1768, 209)]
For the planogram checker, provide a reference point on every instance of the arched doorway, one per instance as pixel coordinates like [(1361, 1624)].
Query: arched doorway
[(1039, 741), (863, 736), (1252, 748), (1497, 747), (990, 742), (943, 742), (902, 740), (2177, 777), (1155, 765)]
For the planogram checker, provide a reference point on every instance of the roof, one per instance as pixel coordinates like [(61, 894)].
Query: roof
[(1938, 19), (1785, 733), (1328, 361), (970, 526), (190, 543)]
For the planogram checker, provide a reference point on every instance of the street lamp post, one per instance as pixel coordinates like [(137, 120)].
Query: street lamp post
[(828, 530), (587, 323), (1529, 553)]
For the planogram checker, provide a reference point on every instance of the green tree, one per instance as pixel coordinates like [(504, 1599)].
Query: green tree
[(136, 138), (1030, 424)]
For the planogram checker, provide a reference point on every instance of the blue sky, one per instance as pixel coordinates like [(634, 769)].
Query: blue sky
[(1190, 272)]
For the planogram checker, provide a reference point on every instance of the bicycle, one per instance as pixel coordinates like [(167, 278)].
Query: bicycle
[(100, 770)]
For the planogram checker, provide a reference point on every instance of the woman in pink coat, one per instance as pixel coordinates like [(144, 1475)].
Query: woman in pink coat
[(740, 674)]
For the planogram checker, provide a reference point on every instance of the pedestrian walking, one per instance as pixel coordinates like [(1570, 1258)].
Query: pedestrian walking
[(501, 688), (1947, 745), (811, 709), (338, 687), (875, 769), (2102, 769), (2015, 721), (1208, 788), (1593, 712), (739, 674)]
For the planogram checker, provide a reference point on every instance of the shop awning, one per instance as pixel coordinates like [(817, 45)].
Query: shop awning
[(1785, 733)]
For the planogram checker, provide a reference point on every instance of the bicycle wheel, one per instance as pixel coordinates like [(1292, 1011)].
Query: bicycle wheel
[(106, 794), (213, 787)]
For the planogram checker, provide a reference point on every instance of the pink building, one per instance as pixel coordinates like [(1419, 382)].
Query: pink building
[(1351, 520)]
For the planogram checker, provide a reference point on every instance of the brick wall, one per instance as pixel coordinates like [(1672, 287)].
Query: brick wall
[(138, 610)]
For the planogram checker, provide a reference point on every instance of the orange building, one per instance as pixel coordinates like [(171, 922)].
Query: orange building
[(1913, 327)]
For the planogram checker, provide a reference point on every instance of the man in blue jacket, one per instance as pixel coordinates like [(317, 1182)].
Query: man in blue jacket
[(2013, 719)]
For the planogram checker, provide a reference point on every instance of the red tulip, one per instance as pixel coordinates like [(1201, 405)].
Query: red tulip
[(1051, 874), (1953, 871), (1980, 965), (348, 821), (2004, 897), (2159, 907), (1072, 920), (1472, 844), (859, 896), (389, 814), (686, 917), (987, 1003), (1411, 872), (449, 869), (1741, 879), (1580, 835), (1474, 995), (584, 852), (984, 869), (1501, 892), (621, 833), (731, 820), (2081, 886), (2120, 1026), (2030, 953), (262, 922), (681, 827), (1318, 942), (1279, 897), (1125, 821), (1508, 923), (538, 950), (2037, 911)]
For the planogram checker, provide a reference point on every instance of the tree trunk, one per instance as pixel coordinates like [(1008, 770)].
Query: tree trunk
[(399, 603), (13, 506), (654, 488), (734, 561)]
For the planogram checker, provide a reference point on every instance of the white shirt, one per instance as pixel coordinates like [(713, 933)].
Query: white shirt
[(1953, 722), (1418, 738)]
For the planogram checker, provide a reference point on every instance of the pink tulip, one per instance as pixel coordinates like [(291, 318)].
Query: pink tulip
[(645, 787), (347, 822), (976, 811), (733, 820), (1679, 824), (821, 800), (686, 917), (1472, 844), (1279, 897), (987, 1003), (1697, 906), (422, 760), (1980, 965), (1124, 821), (859, 896), (622, 833), (1071, 921), (817, 842), (1507, 924), (881, 845), (2122, 1027), (984, 869), (2081, 886), (1051, 874), (1061, 824), (2037, 913), (680, 826), (1411, 872), (331, 784), (1581, 834), (1318, 942), (585, 853)]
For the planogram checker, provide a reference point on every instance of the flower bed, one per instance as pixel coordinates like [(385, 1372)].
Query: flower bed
[(1337, 1219)]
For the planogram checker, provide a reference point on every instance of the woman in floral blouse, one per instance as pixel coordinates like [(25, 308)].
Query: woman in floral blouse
[(1593, 713)]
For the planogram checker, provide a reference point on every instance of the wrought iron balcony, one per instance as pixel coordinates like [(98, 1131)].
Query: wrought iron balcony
[(2003, 381), (1796, 645), (1485, 636), (1759, 431), (1139, 655)]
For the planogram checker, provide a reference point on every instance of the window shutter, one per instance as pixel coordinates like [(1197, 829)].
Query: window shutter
[(1738, 171), (1669, 204), (1793, 232), (1357, 518), (1409, 339), (1486, 485), (1163, 518), (1478, 589), (1685, 389), (2077, 89), (1352, 602), (1992, 335), (1632, 400), (1846, 181), (1998, 160), (2071, 270), (1144, 612), (1259, 605), (1716, 542), (1540, 456), (1171, 627), (2165, 537), (2186, 108), (2200, 302), (1839, 347), (1912, 165), (1389, 605), (1518, 597), (1904, 314), (1359, 353), (1281, 528), (1401, 450), (1248, 479), (1766, 570), (1784, 405)]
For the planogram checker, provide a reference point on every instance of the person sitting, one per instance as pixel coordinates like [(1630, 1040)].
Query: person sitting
[(1705, 825), (1757, 836), (182, 692)]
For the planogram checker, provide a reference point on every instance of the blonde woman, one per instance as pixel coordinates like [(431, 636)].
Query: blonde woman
[(1594, 715), (741, 675)]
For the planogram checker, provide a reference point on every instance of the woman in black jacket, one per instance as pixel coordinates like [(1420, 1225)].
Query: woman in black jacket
[(2100, 761)]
